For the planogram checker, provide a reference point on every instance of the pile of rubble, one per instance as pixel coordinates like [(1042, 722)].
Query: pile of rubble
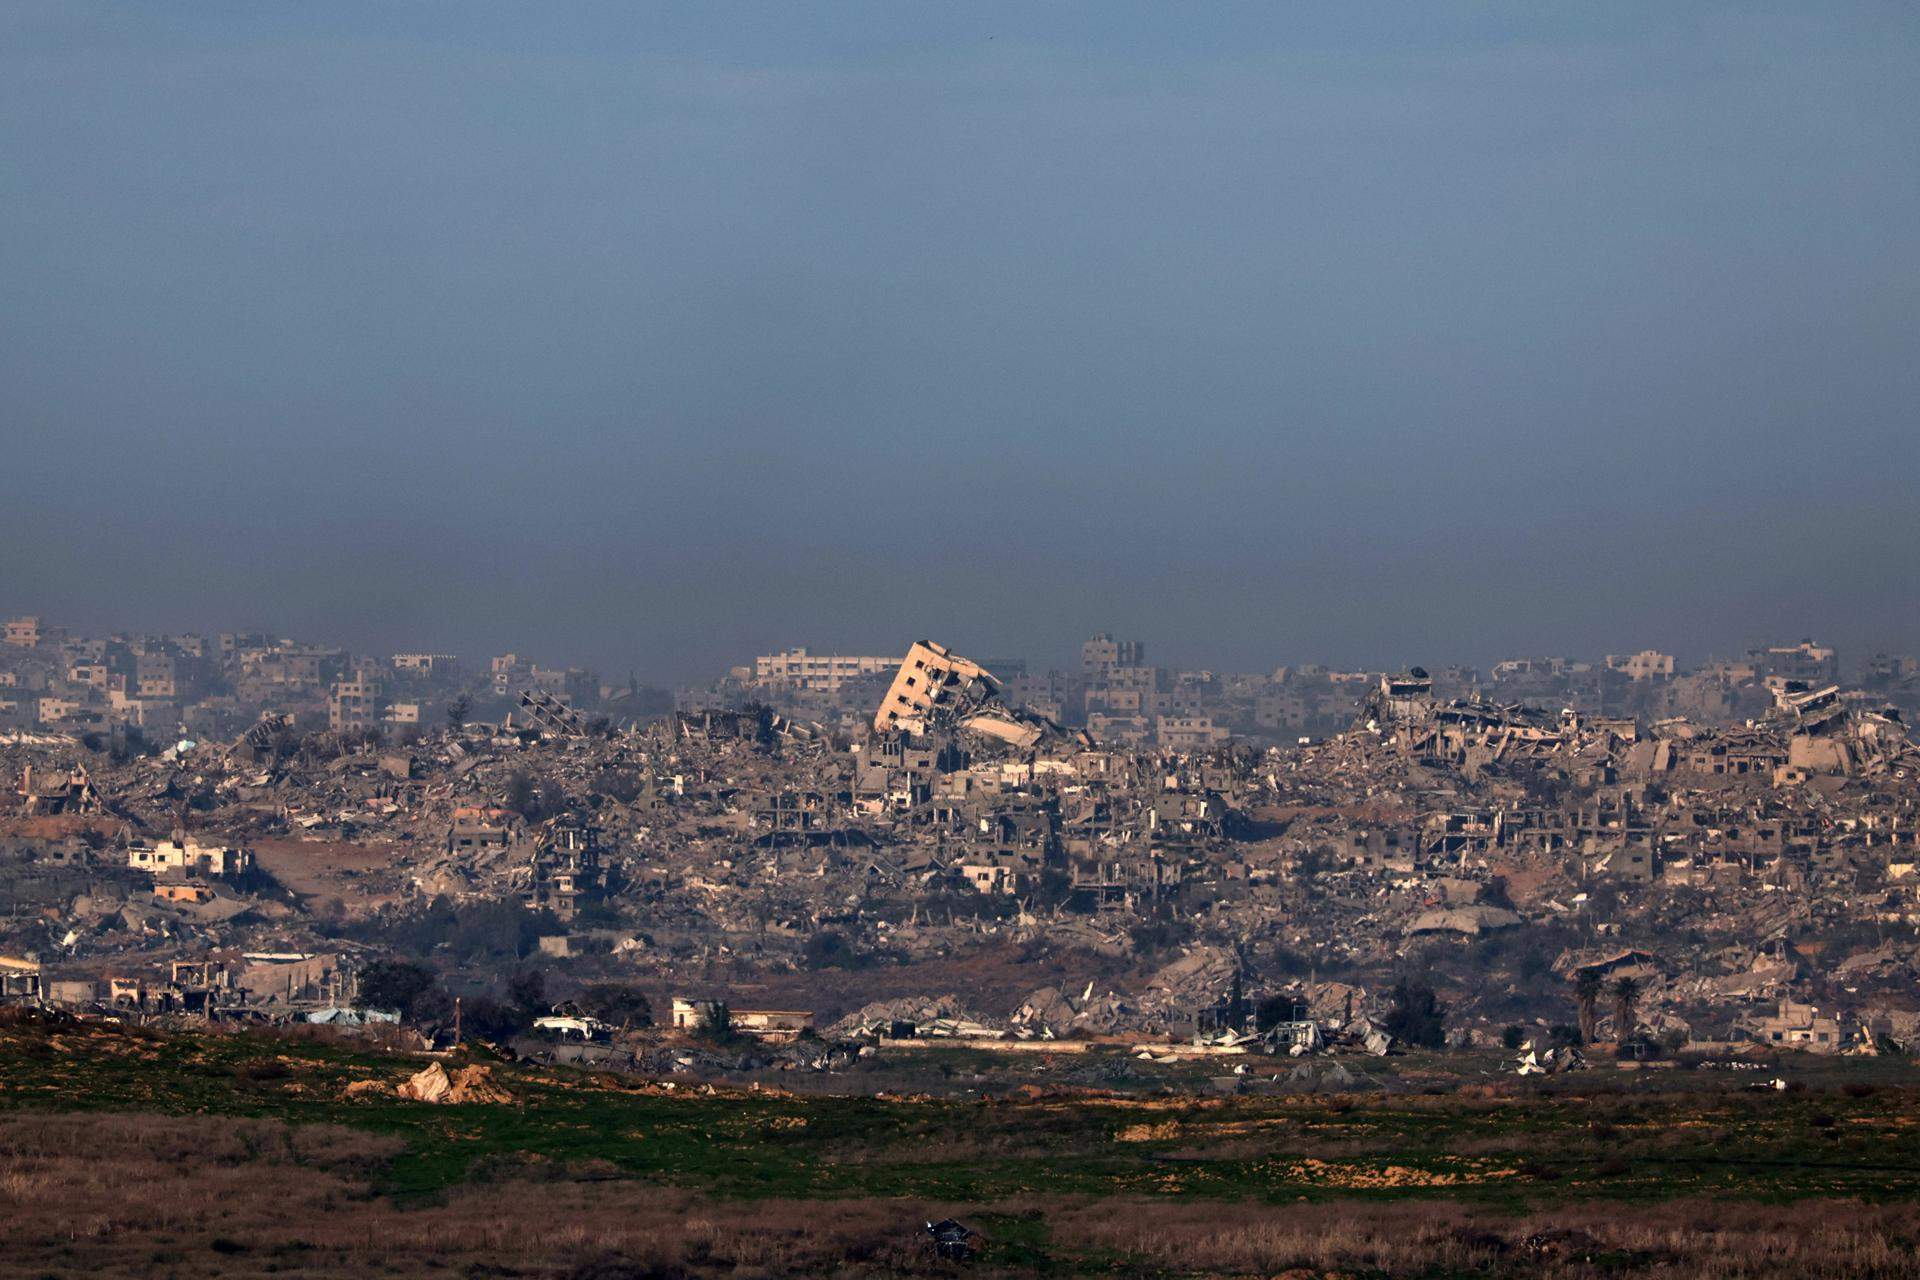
[(923, 1016), (1051, 1014), (433, 1084), (1464, 839), (1549, 1061)]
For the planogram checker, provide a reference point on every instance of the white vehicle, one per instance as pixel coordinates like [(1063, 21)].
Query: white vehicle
[(573, 1028)]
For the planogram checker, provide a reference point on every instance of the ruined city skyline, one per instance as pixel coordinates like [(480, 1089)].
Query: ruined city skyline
[(1235, 864), (150, 687), (663, 638), (770, 664)]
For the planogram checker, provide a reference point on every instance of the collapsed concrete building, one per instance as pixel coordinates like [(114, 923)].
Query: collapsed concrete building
[(937, 689), (50, 792), (954, 825)]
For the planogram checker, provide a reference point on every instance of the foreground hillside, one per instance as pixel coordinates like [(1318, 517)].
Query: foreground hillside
[(129, 1152)]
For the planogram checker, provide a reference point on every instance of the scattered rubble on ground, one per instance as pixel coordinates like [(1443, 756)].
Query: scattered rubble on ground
[(468, 1084), (1749, 878), (1549, 1061)]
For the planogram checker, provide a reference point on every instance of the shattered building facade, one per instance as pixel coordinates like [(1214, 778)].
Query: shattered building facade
[(1134, 836)]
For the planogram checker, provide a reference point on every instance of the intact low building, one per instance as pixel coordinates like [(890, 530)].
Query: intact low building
[(818, 672), (424, 664), (1188, 733), (1817, 664), (1645, 665), (1101, 655), (767, 1024), (1800, 1026), (57, 710), (189, 857), (354, 705)]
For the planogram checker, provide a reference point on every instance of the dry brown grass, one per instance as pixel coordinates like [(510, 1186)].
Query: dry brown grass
[(130, 1195), (120, 1195), (1824, 1240), (1222, 1239)]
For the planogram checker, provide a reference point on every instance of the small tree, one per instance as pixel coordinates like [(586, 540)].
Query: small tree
[(398, 987), (527, 989), (1495, 893), (716, 1024), (1417, 1017), (1586, 998), (457, 712), (1271, 1012), (1055, 889), (526, 797), (486, 1018), (1625, 992), (617, 1003), (829, 950), (1237, 1004), (623, 785)]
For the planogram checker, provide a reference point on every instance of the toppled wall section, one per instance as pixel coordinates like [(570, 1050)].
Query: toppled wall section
[(552, 715), (933, 687), (937, 689)]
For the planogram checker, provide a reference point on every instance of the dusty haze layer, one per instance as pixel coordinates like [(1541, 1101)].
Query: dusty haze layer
[(658, 336)]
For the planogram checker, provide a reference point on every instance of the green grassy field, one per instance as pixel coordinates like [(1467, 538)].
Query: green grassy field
[(1501, 1152)]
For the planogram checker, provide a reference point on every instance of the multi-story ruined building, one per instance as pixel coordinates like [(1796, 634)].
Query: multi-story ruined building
[(567, 871)]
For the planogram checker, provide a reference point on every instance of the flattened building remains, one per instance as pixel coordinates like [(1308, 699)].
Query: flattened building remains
[(1174, 854)]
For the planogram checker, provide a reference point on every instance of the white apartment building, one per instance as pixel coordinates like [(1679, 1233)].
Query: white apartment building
[(189, 857), (821, 672)]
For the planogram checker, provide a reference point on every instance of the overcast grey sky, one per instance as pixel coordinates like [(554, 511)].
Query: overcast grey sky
[(655, 336)]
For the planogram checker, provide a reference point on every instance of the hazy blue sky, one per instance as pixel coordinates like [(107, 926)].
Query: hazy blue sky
[(655, 336)]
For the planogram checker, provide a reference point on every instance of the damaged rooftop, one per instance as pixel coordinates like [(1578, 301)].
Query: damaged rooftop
[(884, 850)]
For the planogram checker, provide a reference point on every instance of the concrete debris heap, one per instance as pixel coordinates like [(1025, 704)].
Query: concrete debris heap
[(937, 689), (467, 1085), (1630, 854)]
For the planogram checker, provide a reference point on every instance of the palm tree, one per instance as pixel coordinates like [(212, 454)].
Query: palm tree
[(1625, 992), (717, 1022), (1586, 994)]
